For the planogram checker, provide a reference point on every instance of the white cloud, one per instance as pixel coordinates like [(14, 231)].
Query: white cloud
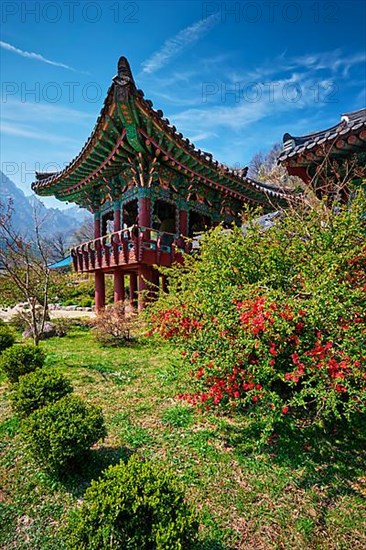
[(36, 112), (276, 97), (203, 135), (175, 45), (335, 62), (14, 129), (33, 55)]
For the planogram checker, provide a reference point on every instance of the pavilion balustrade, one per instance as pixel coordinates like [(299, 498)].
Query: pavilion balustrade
[(135, 245)]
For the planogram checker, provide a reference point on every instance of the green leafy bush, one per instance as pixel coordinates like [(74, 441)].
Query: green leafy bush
[(21, 359), (273, 323), (60, 433), (86, 302), (61, 325), (6, 337), (137, 505), (71, 289), (37, 389)]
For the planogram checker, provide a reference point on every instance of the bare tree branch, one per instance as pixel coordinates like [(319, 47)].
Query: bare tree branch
[(25, 262)]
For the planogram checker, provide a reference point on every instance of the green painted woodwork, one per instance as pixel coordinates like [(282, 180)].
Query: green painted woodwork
[(150, 155)]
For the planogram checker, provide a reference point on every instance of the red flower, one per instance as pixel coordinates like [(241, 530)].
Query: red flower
[(285, 410), (272, 349)]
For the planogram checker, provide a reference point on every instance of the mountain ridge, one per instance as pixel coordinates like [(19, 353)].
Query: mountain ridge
[(53, 220)]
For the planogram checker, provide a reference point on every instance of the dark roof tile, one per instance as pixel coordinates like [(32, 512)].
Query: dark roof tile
[(350, 122)]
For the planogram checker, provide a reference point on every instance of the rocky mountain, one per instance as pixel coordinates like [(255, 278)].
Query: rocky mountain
[(54, 220)]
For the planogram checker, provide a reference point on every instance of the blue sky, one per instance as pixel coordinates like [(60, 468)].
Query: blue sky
[(232, 76)]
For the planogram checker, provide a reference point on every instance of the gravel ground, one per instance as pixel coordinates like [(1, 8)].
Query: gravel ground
[(6, 314)]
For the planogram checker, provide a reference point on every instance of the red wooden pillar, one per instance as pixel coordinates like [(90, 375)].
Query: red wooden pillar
[(144, 212), (183, 222), (99, 291), (133, 289), (97, 228), (117, 216), (155, 279), (119, 286)]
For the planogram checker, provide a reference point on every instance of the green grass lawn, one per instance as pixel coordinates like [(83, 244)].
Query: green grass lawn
[(305, 490)]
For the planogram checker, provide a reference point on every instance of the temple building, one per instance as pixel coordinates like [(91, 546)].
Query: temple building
[(149, 188), (315, 157)]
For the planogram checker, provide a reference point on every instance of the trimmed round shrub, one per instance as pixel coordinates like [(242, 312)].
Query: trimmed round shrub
[(6, 337), (60, 433), (21, 359), (133, 505), (37, 389)]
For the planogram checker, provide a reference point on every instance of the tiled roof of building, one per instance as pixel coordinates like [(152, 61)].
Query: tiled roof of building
[(129, 125), (349, 135)]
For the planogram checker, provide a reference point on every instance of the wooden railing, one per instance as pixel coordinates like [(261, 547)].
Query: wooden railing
[(134, 245)]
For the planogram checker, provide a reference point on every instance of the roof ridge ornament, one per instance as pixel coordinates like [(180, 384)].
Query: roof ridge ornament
[(124, 70), (124, 81)]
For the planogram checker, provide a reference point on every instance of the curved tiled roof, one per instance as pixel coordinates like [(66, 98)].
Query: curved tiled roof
[(123, 91), (349, 134)]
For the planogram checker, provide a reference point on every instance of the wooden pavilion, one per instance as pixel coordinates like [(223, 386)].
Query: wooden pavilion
[(148, 188), (314, 157)]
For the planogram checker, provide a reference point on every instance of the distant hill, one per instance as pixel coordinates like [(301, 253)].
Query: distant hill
[(55, 220)]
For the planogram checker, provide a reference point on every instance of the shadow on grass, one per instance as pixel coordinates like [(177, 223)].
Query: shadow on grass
[(331, 457), (210, 544), (78, 477)]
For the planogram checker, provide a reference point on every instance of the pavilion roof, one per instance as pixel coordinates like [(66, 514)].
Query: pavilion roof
[(344, 139), (128, 127)]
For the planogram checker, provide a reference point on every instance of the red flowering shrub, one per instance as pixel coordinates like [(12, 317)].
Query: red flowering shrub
[(275, 321), (175, 322)]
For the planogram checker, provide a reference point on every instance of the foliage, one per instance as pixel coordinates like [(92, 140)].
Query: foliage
[(61, 325), (21, 359), (10, 293), (273, 322), (6, 337), (37, 389), (137, 505), (86, 302), (264, 167), (59, 434), (179, 416), (24, 318), (113, 327), (70, 288), (301, 490), (75, 289), (18, 321)]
